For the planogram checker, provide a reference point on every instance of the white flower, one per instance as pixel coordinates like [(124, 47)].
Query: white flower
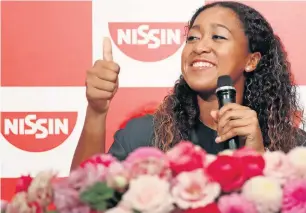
[(297, 158), (194, 190), (264, 192), (149, 194)]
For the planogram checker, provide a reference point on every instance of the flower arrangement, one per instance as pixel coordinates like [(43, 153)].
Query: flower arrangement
[(184, 180)]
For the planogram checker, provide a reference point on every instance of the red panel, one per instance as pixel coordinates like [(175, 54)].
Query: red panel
[(45, 43), (288, 20)]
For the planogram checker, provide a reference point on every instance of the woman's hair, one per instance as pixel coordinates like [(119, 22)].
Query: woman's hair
[(269, 90)]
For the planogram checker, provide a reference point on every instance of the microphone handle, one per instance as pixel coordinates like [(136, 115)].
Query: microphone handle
[(224, 97)]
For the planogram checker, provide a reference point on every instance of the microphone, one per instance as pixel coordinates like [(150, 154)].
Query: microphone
[(226, 93)]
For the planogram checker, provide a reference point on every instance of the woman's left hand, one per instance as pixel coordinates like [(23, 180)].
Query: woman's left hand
[(236, 120)]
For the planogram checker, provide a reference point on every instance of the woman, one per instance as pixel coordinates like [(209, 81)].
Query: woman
[(223, 38)]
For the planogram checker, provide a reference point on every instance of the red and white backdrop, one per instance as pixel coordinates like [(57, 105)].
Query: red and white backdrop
[(46, 47)]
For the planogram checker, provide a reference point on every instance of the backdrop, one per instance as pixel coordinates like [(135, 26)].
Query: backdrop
[(46, 47)]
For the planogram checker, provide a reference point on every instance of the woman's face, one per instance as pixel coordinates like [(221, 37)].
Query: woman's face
[(216, 45)]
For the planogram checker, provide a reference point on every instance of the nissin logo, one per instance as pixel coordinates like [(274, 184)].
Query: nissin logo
[(148, 42), (37, 131)]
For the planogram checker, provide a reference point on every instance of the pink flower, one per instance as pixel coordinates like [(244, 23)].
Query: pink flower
[(102, 159), (67, 199), (277, 166), (185, 157), (147, 160), (297, 158), (294, 199), (149, 194), (235, 203), (117, 176), (66, 192), (145, 153), (94, 173), (193, 190)]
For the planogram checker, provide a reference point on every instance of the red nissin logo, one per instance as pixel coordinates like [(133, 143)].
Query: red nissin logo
[(37, 131), (148, 42)]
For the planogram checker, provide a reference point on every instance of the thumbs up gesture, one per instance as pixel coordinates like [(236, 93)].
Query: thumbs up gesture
[(102, 80)]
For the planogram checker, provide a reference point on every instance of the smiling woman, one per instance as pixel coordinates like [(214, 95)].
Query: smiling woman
[(223, 38)]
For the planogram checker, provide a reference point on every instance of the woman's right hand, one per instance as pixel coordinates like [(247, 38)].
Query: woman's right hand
[(102, 80)]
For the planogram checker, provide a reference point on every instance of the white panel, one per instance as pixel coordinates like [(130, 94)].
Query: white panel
[(136, 73)]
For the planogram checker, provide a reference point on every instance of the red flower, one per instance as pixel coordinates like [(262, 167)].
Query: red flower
[(23, 183), (253, 165), (232, 171), (210, 208), (228, 172), (186, 157)]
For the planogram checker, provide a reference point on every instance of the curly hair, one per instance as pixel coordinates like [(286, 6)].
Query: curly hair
[(269, 90)]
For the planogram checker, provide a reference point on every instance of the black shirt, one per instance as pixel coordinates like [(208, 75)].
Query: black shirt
[(139, 133)]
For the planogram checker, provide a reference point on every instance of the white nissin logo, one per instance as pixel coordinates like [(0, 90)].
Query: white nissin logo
[(167, 36), (32, 126)]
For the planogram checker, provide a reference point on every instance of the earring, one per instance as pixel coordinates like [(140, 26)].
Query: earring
[(248, 69)]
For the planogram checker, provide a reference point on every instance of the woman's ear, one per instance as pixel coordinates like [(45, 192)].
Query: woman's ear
[(253, 62)]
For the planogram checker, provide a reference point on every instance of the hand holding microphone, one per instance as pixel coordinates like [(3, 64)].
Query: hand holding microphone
[(235, 120), (102, 80)]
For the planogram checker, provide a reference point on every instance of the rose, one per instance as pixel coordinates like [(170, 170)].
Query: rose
[(148, 194), (194, 190), (185, 157), (231, 172), (147, 160), (228, 172), (252, 165)]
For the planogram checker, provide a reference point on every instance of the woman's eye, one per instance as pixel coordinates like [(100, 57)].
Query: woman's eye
[(218, 37), (191, 38)]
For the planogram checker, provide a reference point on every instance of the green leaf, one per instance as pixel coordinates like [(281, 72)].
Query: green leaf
[(97, 196)]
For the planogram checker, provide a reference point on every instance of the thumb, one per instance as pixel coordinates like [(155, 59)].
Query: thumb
[(214, 115), (107, 49)]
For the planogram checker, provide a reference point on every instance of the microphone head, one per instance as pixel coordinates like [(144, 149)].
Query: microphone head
[(224, 81)]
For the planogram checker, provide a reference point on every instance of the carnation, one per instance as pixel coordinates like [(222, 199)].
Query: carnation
[(149, 194), (194, 189), (235, 203), (264, 192), (294, 199)]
